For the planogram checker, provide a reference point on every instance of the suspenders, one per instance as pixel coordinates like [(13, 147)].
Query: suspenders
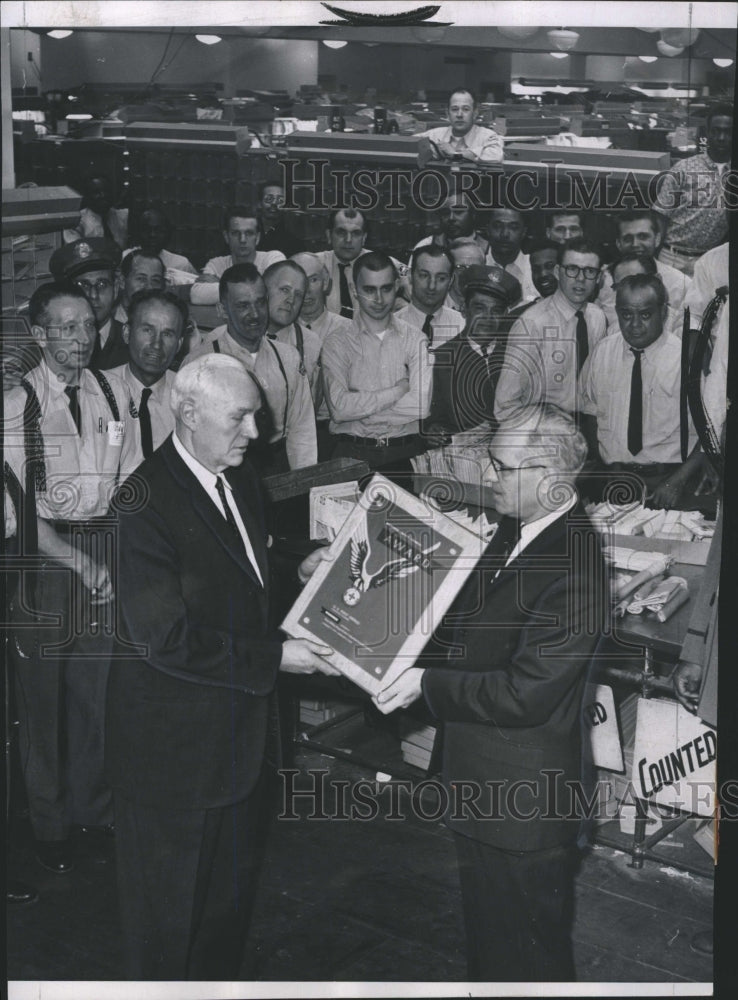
[(264, 403)]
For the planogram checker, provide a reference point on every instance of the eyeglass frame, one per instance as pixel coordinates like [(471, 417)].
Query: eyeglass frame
[(88, 325), (101, 285), (568, 268), (500, 468)]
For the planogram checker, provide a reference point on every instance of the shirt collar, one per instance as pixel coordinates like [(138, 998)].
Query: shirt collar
[(137, 385), (55, 384), (204, 476), (532, 529), (564, 305), (391, 327)]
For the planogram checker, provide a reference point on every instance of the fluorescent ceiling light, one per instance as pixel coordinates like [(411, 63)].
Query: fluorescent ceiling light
[(648, 59), (333, 43), (209, 39), (58, 33)]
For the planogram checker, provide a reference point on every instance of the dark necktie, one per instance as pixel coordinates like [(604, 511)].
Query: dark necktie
[(144, 420), (220, 487), (505, 538), (428, 328), (635, 412), (347, 306), (582, 340), (72, 394)]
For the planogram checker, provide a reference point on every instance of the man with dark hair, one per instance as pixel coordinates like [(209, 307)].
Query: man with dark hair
[(98, 218), (64, 427), (140, 271), (154, 332), (287, 404), (274, 233), (241, 233), (464, 255), (93, 266), (456, 222), (467, 368), (564, 225), (544, 256), (463, 139), (506, 675), (639, 232), (630, 384), (506, 230), (634, 263), (377, 375), (549, 343), (346, 234), (431, 274), (154, 231), (691, 196)]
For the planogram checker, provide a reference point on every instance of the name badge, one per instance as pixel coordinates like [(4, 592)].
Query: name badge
[(115, 433)]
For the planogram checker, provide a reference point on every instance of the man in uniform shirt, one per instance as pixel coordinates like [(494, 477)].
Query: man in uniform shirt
[(377, 376), (323, 322), (241, 233), (549, 343), (63, 432), (346, 234), (506, 231), (630, 384), (639, 232), (286, 283), (154, 333), (276, 367), (563, 226), (431, 273), (467, 368), (462, 139), (691, 197), (274, 234), (93, 266)]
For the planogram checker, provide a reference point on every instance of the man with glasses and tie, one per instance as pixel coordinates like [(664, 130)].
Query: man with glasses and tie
[(631, 386), (154, 334), (64, 428), (431, 274), (505, 676), (550, 342), (92, 265), (188, 716)]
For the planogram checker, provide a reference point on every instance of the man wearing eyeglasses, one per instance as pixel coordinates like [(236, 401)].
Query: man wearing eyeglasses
[(550, 342), (505, 674), (274, 234), (63, 435), (464, 254), (93, 266)]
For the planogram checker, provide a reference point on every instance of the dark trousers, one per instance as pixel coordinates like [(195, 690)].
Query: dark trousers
[(518, 911), (61, 664), (186, 883)]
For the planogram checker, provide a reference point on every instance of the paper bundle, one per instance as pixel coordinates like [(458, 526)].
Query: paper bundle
[(661, 597), (329, 507)]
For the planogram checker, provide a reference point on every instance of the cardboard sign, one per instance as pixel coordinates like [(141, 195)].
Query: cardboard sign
[(600, 721), (674, 758)]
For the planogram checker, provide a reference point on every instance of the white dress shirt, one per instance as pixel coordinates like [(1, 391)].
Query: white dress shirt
[(447, 323), (207, 480)]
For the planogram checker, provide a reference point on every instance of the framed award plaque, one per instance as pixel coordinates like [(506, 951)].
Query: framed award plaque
[(397, 564)]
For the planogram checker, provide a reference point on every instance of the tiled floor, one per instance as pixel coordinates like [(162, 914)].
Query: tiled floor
[(377, 900)]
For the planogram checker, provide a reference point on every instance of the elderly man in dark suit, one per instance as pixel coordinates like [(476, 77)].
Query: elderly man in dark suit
[(188, 718), (505, 675)]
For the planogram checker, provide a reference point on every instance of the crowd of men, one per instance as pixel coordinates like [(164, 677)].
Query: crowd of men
[(326, 352)]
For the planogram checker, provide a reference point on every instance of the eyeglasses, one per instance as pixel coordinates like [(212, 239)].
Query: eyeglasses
[(99, 286), (572, 271), (73, 329), (272, 199), (500, 468)]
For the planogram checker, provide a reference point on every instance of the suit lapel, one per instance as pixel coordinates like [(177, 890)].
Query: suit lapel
[(207, 511), (251, 523)]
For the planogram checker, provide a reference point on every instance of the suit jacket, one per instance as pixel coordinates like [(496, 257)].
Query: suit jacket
[(115, 351), (187, 719), (464, 385), (511, 701)]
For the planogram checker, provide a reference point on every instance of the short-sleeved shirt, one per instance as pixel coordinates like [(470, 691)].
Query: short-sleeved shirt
[(360, 375), (81, 469), (160, 414), (288, 394), (692, 197), (541, 356), (710, 273), (604, 392), (206, 293), (483, 142)]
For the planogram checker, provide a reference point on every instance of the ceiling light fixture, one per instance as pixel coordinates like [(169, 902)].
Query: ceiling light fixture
[(209, 39), (648, 59), (558, 55), (59, 33), (723, 63), (333, 43), (563, 39)]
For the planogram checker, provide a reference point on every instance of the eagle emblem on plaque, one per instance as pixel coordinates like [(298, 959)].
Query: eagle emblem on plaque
[(393, 569)]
